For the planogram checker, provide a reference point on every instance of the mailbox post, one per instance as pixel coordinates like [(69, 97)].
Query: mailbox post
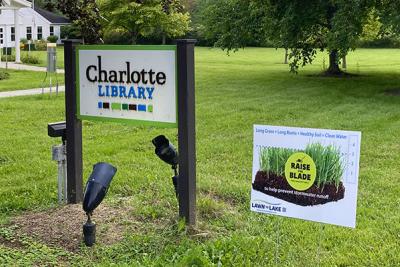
[(59, 154), (51, 65)]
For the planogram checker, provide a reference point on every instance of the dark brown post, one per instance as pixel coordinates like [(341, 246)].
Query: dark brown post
[(74, 127), (186, 131)]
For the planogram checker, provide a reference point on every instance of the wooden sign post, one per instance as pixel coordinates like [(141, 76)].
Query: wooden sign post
[(165, 98)]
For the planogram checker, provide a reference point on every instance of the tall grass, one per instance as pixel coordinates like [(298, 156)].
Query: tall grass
[(327, 160), (273, 159), (329, 165)]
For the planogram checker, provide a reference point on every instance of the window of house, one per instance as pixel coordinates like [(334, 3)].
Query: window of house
[(51, 30), (29, 33), (12, 34), (39, 33), (1, 36)]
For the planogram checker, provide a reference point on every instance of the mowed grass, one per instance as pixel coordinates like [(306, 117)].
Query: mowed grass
[(232, 93), (23, 79), (42, 55)]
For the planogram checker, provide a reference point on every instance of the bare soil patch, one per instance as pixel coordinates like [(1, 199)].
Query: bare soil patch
[(11, 243), (62, 226)]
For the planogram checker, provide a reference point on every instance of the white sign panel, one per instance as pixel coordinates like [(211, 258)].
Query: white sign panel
[(127, 83), (310, 174)]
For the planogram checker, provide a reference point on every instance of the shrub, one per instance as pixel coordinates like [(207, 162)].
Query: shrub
[(52, 39), (8, 58), (384, 42), (116, 37), (23, 40), (70, 32), (4, 75), (41, 45), (32, 47), (29, 59)]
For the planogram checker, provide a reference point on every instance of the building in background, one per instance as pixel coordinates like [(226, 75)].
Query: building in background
[(34, 24)]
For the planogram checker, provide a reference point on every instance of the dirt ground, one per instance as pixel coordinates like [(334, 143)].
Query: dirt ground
[(62, 226)]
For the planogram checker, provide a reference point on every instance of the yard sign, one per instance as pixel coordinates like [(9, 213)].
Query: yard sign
[(127, 83), (311, 174), (143, 85)]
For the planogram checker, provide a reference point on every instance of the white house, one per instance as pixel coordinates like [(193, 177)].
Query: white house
[(33, 23)]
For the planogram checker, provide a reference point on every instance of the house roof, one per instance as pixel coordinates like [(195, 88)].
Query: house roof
[(50, 16)]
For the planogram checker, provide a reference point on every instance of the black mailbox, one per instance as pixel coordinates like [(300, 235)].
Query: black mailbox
[(57, 129)]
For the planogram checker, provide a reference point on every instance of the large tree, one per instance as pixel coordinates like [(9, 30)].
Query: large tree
[(85, 16), (389, 15), (302, 27), (230, 24), (144, 18)]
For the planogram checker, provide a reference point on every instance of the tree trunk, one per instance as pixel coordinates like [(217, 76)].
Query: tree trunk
[(164, 39), (133, 38), (344, 63), (333, 68), (286, 56)]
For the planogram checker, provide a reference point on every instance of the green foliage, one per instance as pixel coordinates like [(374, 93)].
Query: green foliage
[(30, 47), (70, 32), (23, 41), (119, 36), (230, 24), (372, 27), (52, 38), (8, 57), (388, 12), (381, 42), (30, 59), (303, 27), (326, 158), (85, 16), (146, 18), (4, 75), (41, 45)]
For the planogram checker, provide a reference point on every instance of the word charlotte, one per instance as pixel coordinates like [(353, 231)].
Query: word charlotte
[(147, 80)]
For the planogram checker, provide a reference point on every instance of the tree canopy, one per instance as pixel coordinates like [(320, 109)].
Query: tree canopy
[(144, 18), (85, 15), (302, 27)]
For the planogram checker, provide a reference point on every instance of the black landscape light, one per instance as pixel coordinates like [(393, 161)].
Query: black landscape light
[(95, 191), (167, 152)]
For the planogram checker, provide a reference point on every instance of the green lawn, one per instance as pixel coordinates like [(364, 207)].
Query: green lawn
[(42, 56), (21, 79), (233, 93)]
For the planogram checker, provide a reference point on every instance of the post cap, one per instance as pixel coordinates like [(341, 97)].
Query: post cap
[(187, 41), (72, 41)]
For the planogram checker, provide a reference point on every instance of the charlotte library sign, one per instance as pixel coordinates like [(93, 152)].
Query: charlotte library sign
[(142, 85), (130, 83)]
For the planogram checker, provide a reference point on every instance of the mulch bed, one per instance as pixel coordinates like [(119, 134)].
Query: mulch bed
[(62, 226), (277, 186)]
